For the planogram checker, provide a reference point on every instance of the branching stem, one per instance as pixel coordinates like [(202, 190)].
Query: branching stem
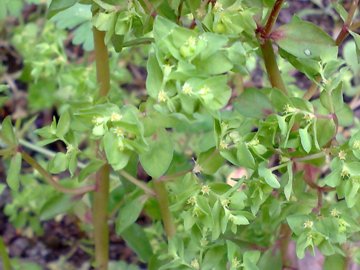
[(51, 181)]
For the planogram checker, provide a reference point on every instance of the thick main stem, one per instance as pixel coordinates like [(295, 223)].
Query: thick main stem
[(101, 194), (166, 216), (273, 17), (267, 50), (100, 218), (271, 66)]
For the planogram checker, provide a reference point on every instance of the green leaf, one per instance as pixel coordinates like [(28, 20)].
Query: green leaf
[(58, 163), (333, 179), (325, 130), (269, 177), (305, 40), (210, 161), (356, 37), (335, 262), (137, 240), (288, 187), (7, 132), (154, 78), (211, 64), (90, 168), (129, 214), (157, 159), (59, 5), (63, 125), (80, 25), (296, 223), (13, 176), (117, 41), (332, 100), (305, 139), (250, 259), (116, 157), (244, 156), (60, 203), (219, 92), (282, 125), (246, 102)]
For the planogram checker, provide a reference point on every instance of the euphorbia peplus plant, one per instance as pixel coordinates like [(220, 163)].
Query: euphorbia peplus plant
[(298, 153)]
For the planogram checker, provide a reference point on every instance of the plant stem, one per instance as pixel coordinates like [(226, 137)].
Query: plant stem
[(100, 218), (267, 50), (271, 66), (284, 238), (166, 216), (6, 264), (339, 39), (101, 194), (48, 153), (272, 18), (138, 183), (102, 62), (49, 178)]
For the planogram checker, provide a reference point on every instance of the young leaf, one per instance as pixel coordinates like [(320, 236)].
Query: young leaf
[(138, 241), (58, 163), (210, 161), (356, 37), (7, 132), (116, 157), (60, 203), (154, 78), (63, 125), (305, 139), (59, 5), (14, 172), (157, 159), (288, 187), (129, 214), (269, 177), (244, 156)]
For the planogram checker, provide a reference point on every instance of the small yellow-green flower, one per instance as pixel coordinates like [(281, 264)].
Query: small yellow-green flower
[(187, 89), (205, 189), (115, 117), (162, 96), (308, 224), (342, 155)]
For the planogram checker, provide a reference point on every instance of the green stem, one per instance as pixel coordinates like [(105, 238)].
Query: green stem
[(101, 194), (6, 264), (272, 17), (271, 66), (102, 62), (100, 218), (166, 216), (137, 183), (267, 50), (49, 178), (284, 238), (279, 166)]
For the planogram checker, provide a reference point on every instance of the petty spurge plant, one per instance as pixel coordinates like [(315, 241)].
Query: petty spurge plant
[(236, 175)]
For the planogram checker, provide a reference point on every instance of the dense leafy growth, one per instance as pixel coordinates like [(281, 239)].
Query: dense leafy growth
[(236, 172)]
